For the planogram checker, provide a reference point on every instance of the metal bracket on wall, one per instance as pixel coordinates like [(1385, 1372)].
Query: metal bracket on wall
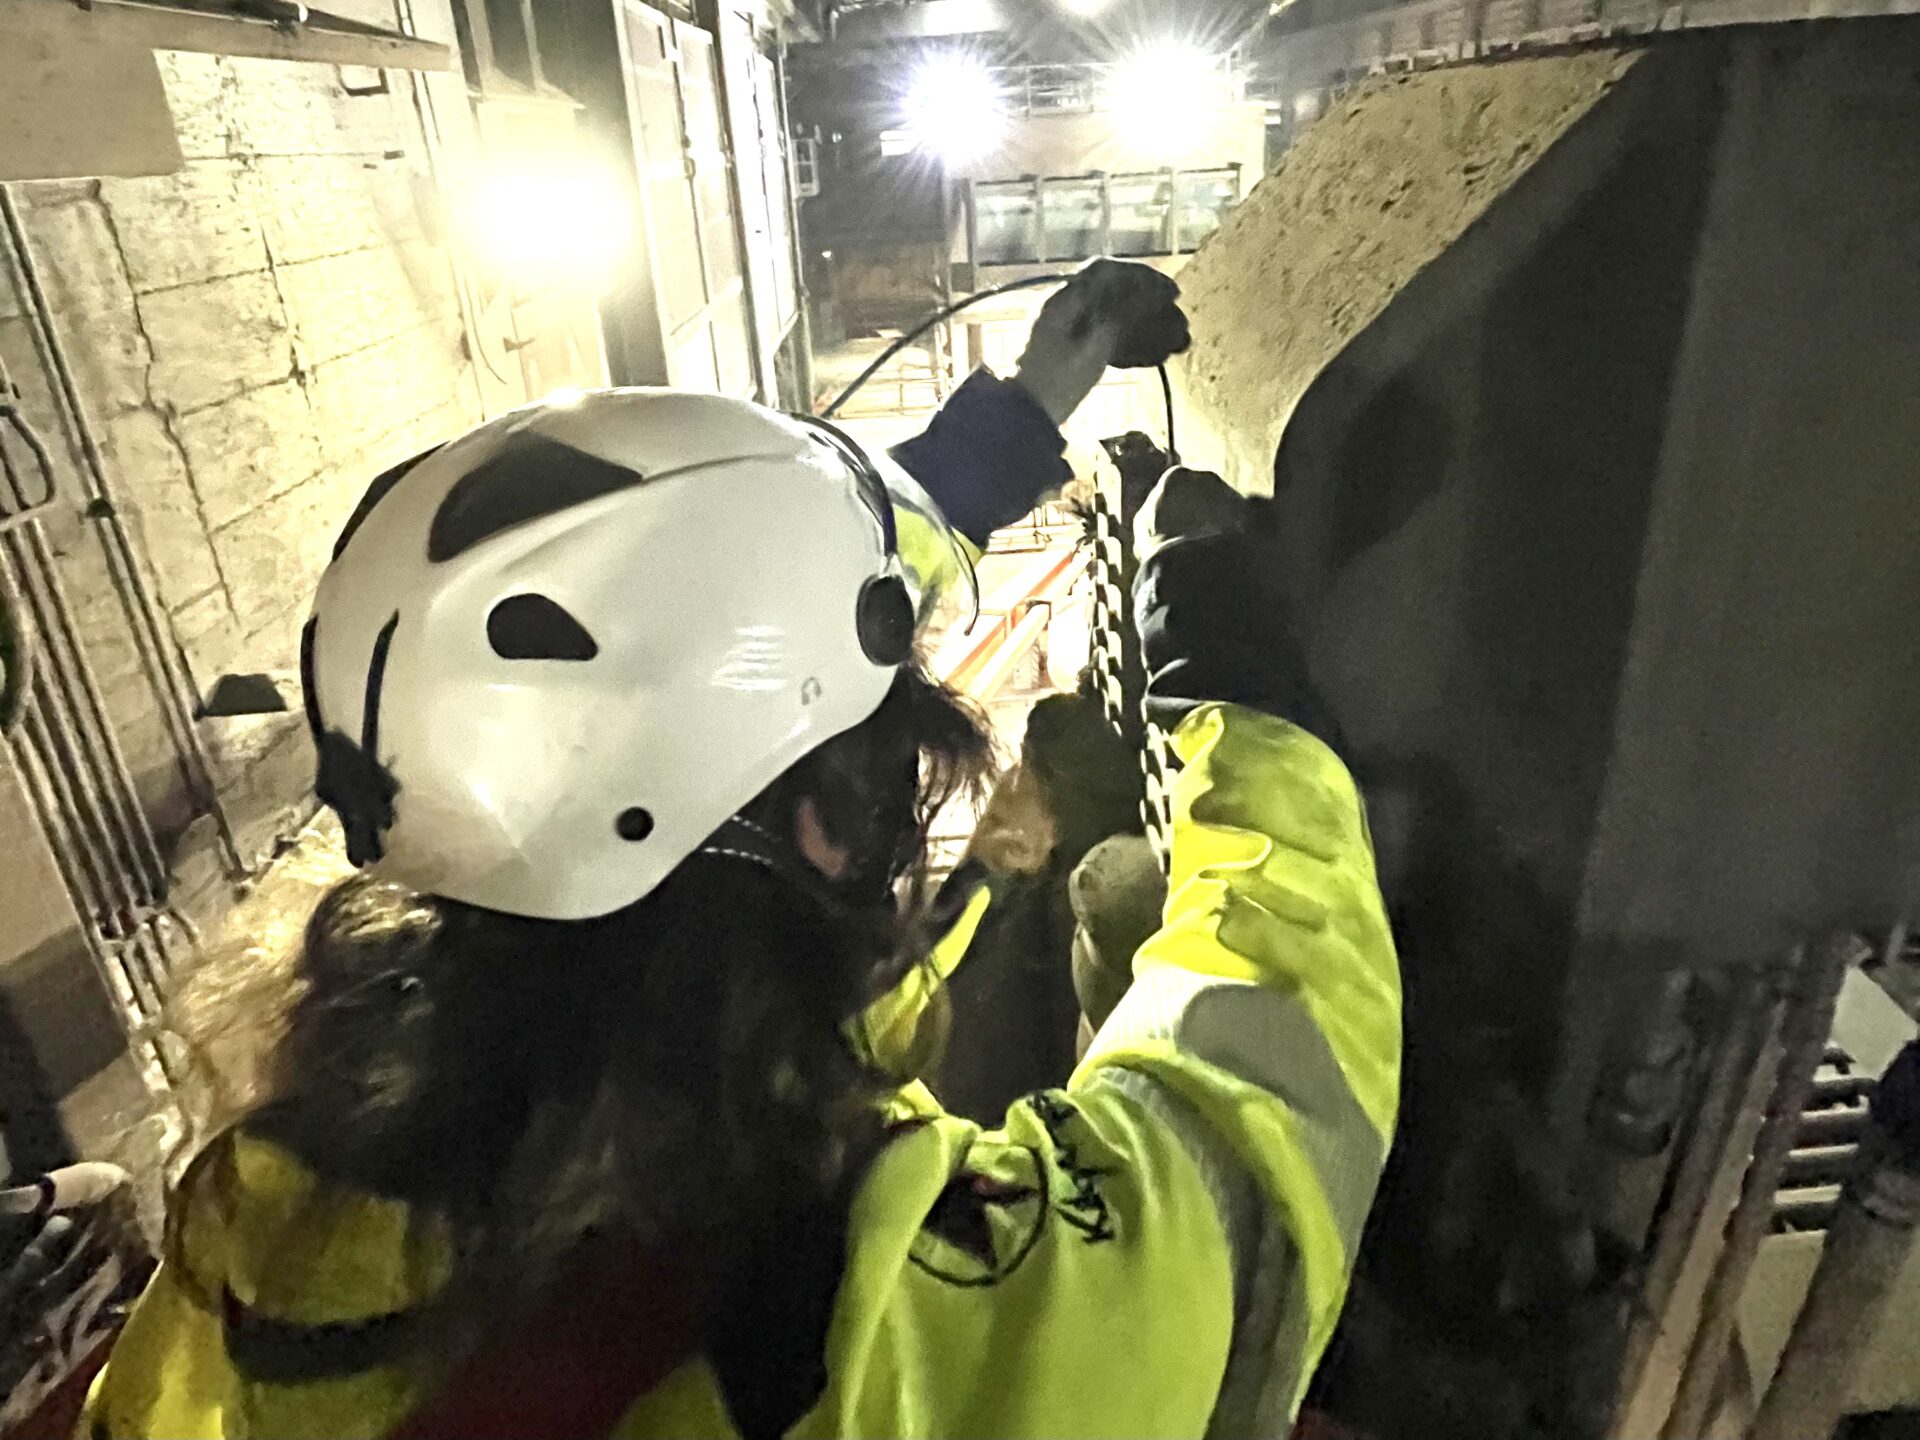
[(263, 29)]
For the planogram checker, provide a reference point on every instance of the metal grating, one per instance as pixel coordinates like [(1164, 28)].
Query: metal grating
[(1826, 1147)]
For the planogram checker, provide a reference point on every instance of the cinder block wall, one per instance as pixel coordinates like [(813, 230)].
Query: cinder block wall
[(256, 336)]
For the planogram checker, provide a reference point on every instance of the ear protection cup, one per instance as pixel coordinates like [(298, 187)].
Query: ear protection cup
[(885, 621)]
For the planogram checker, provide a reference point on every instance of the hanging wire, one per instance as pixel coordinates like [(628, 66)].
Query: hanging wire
[(945, 312)]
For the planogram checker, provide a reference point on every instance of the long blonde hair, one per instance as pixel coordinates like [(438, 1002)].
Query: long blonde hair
[(670, 1070)]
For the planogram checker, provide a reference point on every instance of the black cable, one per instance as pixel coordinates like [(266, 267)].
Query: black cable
[(1166, 389), (946, 312)]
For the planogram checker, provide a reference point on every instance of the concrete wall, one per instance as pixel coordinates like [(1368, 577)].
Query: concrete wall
[(1587, 387), (257, 336)]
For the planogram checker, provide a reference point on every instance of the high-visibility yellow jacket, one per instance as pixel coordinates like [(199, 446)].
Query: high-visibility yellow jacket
[(1160, 1249)]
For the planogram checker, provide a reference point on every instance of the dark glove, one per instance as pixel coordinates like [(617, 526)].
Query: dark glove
[(995, 447), (1213, 616), (1116, 313)]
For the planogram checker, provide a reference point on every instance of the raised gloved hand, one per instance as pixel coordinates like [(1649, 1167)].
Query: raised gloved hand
[(995, 447), (1116, 313), (1214, 619)]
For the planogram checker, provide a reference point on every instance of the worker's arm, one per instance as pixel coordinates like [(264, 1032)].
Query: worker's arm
[(1266, 1015), (1267, 1007), (1163, 1248), (994, 449)]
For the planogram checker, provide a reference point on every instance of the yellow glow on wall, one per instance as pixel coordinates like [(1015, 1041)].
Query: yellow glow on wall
[(565, 226)]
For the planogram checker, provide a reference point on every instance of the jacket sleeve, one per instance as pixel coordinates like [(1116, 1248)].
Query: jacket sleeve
[(1265, 1014), (1162, 1248), (987, 456)]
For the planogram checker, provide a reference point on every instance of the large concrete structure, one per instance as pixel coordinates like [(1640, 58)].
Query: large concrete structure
[(1588, 392)]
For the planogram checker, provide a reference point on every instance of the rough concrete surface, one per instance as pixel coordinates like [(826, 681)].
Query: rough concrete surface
[(1371, 195), (255, 337), (1595, 511)]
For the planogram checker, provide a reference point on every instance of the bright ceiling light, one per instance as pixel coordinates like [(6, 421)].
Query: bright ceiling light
[(566, 226), (1166, 96), (954, 109), (1084, 7)]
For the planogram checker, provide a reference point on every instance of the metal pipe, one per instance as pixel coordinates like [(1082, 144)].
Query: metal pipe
[(75, 861), (124, 814), (1808, 1022), (32, 556), (1835, 1090), (1866, 1254), (1834, 1127), (1805, 1210), (1752, 1018), (86, 831), (174, 692), (18, 651), (1819, 1165), (25, 509), (70, 676), (148, 980), (55, 740), (109, 896), (17, 657)]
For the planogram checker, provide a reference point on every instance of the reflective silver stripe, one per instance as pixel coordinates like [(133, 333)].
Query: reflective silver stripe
[(1229, 1185), (1265, 1037), (1271, 1320), (1263, 1379)]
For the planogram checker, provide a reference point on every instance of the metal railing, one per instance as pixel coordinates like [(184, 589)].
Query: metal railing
[(1433, 32), (1078, 87), (1136, 215)]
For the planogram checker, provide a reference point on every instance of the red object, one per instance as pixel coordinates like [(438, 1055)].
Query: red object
[(58, 1413), (626, 1319)]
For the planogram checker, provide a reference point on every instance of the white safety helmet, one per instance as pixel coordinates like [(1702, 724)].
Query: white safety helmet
[(552, 657)]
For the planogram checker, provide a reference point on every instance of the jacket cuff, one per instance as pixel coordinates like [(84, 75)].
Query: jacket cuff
[(988, 456)]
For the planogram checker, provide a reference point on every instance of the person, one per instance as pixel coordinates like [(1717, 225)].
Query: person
[(587, 1110)]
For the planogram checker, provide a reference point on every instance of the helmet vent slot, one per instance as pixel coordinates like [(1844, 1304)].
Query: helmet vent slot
[(534, 627), (531, 476), (376, 492)]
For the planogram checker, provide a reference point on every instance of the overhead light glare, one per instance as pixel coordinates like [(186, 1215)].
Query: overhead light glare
[(568, 225), (954, 109), (1166, 95)]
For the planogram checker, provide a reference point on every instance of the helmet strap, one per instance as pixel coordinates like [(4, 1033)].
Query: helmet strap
[(739, 838)]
